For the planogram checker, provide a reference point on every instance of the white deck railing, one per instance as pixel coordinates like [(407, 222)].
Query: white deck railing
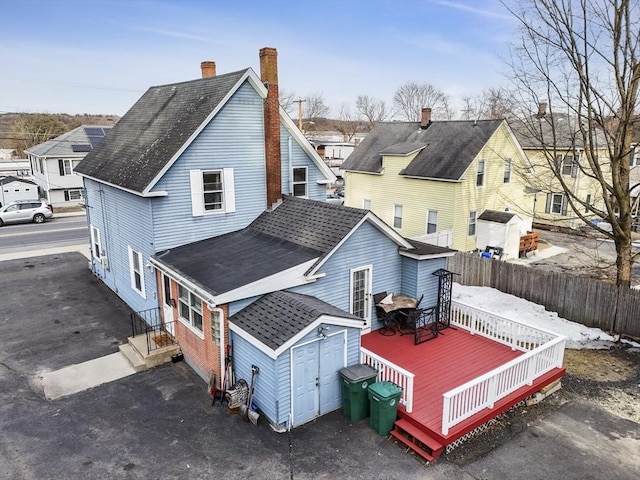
[(393, 373), (545, 351)]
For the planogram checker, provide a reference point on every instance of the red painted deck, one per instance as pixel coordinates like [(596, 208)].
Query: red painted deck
[(444, 363)]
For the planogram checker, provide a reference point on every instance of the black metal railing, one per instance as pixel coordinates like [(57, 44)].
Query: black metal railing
[(150, 323)]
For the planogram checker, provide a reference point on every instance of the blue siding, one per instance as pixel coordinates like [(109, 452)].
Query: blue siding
[(266, 386), (235, 307), (367, 246), (427, 282), (410, 276), (298, 158), (123, 220), (233, 139)]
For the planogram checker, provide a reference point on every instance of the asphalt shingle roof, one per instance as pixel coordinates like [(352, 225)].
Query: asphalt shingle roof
[(9, 179), (295, 232), (277, 317), (420, 248), (496, 216), (154, 129), (449, 147), (63, 145)]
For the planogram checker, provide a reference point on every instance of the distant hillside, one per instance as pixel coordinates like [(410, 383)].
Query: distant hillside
[(23, 130)]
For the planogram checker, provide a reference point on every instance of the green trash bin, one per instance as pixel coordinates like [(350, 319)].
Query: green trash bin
[(384, 398), (355, 381)]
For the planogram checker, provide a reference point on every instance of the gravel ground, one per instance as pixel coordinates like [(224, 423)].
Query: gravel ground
[(609, 379)]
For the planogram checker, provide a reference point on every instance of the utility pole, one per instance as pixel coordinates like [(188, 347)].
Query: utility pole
[(300, 101)]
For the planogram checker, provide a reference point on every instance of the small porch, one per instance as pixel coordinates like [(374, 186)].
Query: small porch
[(480, 366)]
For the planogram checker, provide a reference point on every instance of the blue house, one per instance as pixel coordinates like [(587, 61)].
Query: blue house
[(293, 293), (206, 210), (187, 162)]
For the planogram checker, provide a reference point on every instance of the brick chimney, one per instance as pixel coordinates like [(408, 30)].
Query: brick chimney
[(426, 118), (542, 109), (208, 69), (269, 76)]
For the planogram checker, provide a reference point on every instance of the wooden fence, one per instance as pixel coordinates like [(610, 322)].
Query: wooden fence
[(576, 298)]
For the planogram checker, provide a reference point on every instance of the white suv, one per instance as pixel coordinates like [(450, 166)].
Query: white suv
[(25, 211)]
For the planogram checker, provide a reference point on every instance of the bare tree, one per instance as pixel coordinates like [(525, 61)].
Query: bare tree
[(582, 57), (35, 129), (412, 97), (372, 109), (287, 100), (315, 106), (346, 124), (492, 103)]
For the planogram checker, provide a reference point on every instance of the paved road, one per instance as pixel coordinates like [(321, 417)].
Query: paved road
[(57, 232), (160, 423)]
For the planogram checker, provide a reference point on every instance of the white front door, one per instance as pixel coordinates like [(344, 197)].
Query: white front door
[(167, 305)]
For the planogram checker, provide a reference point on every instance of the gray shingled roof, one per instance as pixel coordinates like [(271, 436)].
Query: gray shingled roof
[(561, 130), (496, 216), (297, 231), (277, 317), (421, 248), (222, 264), (62, 145), (317, 225), (450, 148), (154, 129), (9, 179)]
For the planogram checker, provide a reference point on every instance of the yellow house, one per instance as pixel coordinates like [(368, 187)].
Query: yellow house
[(431, 180), (553, 147)]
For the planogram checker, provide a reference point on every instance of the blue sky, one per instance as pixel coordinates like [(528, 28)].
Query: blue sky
[(99, 56)]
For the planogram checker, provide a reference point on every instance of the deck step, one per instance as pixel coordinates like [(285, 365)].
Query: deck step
[(418, 440), (131, 354)]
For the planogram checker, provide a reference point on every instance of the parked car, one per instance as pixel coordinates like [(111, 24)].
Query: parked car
[(36, 211), (335, 199)]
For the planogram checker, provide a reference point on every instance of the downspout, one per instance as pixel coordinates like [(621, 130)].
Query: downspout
[(223, 347), (290, 168)]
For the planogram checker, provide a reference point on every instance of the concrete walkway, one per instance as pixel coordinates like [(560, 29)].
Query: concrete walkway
[(82, 376)]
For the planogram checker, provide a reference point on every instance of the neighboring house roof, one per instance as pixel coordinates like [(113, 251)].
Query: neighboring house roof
[(276, 318), (559, 131), (74, 143), (449, 147), (297, 236), (422, 249), (496, 216), (9, 179)]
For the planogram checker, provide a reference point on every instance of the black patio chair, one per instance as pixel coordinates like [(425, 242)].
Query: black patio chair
[(387, 319)]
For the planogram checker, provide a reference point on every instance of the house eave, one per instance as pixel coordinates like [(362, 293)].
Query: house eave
[(160, 193), (426, 257)]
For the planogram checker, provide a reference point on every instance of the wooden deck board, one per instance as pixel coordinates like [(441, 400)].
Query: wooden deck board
[(442, 364)]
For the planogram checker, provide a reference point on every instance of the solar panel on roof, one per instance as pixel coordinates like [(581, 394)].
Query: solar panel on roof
[(81, 147), (94, 134)]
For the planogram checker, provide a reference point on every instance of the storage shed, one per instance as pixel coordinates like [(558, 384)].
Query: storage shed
[(299, 344), (501, 230)]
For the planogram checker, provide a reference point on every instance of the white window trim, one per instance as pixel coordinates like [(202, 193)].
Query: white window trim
[(95, 240), (393, 217), (79, 190), (475, 223), (305, 183), (369, 289), (507, 170), (483, 172), (562, 204), (426, 229), (187, 322), (366, 204), (132, 272), (197, 192)]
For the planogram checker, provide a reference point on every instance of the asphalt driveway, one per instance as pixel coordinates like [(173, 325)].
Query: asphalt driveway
[(160, 423)]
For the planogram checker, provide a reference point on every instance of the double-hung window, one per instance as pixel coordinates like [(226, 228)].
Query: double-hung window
[(299, 181), (471, 230), (556, 204), (397, 216), (480, 174), (136, 271), (568, 166), (507, 171), (65, 167), (432, 221), (96, 248), (190, 308), (212, 191)]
